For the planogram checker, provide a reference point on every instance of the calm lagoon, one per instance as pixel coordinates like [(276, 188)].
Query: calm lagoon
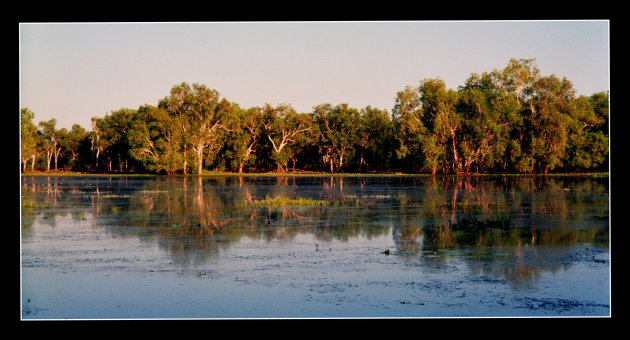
[(97, 247)]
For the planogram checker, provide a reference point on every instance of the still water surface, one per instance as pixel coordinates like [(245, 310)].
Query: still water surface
[(196, 247)]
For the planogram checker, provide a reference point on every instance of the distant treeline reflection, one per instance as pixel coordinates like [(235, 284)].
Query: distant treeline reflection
[(530, 206), (430, 219)]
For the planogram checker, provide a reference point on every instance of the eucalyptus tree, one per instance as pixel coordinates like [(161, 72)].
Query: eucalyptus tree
[(374, 142), (50, 141), (587, 140), (410, 130), (200, 117), (216, 142), (552, 103), (518, 77), (28, 138), (155, 140), (60, 157), (282, 126), (304, 147), (246, 126), (485, 107), (511, 119), (600, 103), (96, 143), (99, 142), (112, 131), (338, 132), (443, 122), (72, 143)]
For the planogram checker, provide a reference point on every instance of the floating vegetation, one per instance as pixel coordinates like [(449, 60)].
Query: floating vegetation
[(285, 201), (467, 204), (404, 251), (114, 196), (31, 205), (367, 196)]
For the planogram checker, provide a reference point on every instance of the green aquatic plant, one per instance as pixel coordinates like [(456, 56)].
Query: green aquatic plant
[(285, 201), (31, 205)]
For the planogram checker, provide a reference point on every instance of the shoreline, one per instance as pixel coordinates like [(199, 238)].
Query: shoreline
[(310, 174)]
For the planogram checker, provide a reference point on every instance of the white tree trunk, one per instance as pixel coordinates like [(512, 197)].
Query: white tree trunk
[(199, 152), (48, 159)]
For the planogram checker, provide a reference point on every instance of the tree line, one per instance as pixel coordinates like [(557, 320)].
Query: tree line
[(511, 120)]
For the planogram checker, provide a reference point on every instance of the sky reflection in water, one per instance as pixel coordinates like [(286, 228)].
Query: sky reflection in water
[(504, 230)]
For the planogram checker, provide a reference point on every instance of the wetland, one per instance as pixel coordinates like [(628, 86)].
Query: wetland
[(134, 247)]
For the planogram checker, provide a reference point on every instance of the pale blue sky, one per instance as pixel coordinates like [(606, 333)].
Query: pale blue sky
[(74, 71)]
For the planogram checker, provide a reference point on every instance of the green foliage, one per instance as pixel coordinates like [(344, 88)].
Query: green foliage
[(281, 201), (155, 140), (339, 129), (284, 128), (511, 120), (375, 141), (244, 138), (28, 138)]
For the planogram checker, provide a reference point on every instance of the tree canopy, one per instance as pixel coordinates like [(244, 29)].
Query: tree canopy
[(512, 120)]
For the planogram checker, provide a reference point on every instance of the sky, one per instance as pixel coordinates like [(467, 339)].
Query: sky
[(75, 71)]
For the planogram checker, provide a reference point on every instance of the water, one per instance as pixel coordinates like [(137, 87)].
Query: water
[(401, 247)]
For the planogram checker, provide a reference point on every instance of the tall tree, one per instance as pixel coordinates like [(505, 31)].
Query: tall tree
[(155, 140), (599, 102), (109, 139), (199, 114), (518, 77), (282, 126), (551, 103), (587, 146), (374, 143), (339, 130), (409, 129), (511, 119), (28, 138), (50, 141), (440, 117), (97, 144), (246, 131), (71, 143), (485, 108), (118, 124)]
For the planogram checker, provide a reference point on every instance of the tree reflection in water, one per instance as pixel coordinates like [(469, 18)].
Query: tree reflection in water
[(512, 228)]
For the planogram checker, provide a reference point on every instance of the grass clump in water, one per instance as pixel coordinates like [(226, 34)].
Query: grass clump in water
[(285, 201), (30, 205)]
